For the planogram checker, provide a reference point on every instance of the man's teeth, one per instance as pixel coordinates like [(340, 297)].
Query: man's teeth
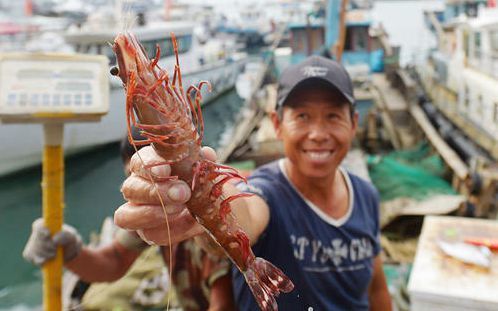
[(318, 155)]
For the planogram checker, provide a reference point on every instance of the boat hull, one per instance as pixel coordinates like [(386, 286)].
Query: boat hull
[(467, 100), (22, 144)]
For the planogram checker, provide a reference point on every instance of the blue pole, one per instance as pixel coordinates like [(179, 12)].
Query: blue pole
[(332, 22)]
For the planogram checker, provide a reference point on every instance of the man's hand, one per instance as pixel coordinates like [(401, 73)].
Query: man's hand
[(144, 210), (41, 247)]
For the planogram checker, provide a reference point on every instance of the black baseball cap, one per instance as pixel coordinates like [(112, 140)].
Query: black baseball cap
[(315, 68)]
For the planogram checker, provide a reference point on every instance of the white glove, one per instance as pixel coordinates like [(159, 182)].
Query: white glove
[(41, 247)]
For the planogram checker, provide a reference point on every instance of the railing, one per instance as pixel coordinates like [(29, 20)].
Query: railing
[(485, 62)]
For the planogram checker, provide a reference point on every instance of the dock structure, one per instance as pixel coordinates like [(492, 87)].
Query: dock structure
[(254, 138), (406, 123), (398, 109), (254, 108), (394, 111)]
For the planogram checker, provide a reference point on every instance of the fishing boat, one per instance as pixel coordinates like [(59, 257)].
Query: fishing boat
[(215, 61), (461, 78), (459, 84)]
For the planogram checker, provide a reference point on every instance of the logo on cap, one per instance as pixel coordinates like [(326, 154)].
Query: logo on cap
[(315, 71)]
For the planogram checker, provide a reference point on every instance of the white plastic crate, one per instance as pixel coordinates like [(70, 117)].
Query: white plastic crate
[(439, 282)]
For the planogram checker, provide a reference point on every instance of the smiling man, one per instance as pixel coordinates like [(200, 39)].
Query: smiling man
[(323, 223), (309, 217)]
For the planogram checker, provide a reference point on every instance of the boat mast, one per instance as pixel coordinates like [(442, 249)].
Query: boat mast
[(28, 8), (342, 30), (167, 9), (336, 27)]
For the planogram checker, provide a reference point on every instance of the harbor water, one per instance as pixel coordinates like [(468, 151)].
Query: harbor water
[(91, 194)]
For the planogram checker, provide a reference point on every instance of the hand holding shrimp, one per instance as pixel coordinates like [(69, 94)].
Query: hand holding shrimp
[(143, 211), (171, 120)]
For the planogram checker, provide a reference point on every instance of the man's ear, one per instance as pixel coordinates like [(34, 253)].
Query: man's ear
[(276, 122), (356, 118)]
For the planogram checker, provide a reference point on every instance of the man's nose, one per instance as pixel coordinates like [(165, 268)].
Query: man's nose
[(318, 132)]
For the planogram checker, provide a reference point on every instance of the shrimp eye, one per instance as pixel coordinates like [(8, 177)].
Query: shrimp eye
[(114, 71)]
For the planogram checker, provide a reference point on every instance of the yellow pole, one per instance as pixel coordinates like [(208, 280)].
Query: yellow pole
[(53, 203)]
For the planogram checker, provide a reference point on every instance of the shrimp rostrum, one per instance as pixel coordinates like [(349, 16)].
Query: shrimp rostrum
[(171, 120)]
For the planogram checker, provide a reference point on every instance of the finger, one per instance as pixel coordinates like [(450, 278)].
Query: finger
[(40, 229), (47, 252), (41, 259), (141, 191), (135, 217), (147, 162), (181, 227), (63, 238), (209, 153), (43, 233), (39, 251), (38, 224), (40, 232)]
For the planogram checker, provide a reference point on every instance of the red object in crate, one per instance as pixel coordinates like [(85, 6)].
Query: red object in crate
[(492, 243)]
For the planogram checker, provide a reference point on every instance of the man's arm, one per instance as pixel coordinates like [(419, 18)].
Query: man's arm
[(105, 264), (221, 297), (252, 213), (379, 297), (92, 265)]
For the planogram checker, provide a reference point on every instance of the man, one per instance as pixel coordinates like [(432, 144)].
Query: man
[(201, 280), (309, 217)]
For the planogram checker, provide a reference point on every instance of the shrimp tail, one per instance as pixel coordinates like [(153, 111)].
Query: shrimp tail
[(266, 282)]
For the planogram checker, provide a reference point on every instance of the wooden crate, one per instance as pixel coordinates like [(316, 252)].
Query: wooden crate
[(439, 282)]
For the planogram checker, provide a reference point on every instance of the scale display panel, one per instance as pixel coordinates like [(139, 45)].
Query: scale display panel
[(58, 86)]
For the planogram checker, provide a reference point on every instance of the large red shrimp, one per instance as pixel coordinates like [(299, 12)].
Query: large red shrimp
[(171, 119)]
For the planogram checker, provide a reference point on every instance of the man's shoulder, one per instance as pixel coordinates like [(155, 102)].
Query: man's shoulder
[(263, 180), (266, 175), (267, 171), (362, 185)]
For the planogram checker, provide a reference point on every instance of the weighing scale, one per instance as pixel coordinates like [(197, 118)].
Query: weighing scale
[(53, 89)]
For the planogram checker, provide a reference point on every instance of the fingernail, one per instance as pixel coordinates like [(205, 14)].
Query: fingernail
[(177, 193), (160, 170), (142, 236)]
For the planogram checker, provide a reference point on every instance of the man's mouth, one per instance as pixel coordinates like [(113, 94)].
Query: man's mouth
[(318, 155)]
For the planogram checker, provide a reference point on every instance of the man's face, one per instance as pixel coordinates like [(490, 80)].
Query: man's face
[(316, 129)]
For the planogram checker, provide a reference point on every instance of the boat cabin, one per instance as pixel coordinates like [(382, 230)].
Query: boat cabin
[(361, 45), (306, 39), (456, 8), (461, 75), (99, 42), (477, 42), (478, 39)]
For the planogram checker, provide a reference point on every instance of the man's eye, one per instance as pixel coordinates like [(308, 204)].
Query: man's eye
[(332, 116), (302, 116)]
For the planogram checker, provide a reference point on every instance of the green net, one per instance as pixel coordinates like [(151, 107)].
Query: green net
[(414, 173)]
